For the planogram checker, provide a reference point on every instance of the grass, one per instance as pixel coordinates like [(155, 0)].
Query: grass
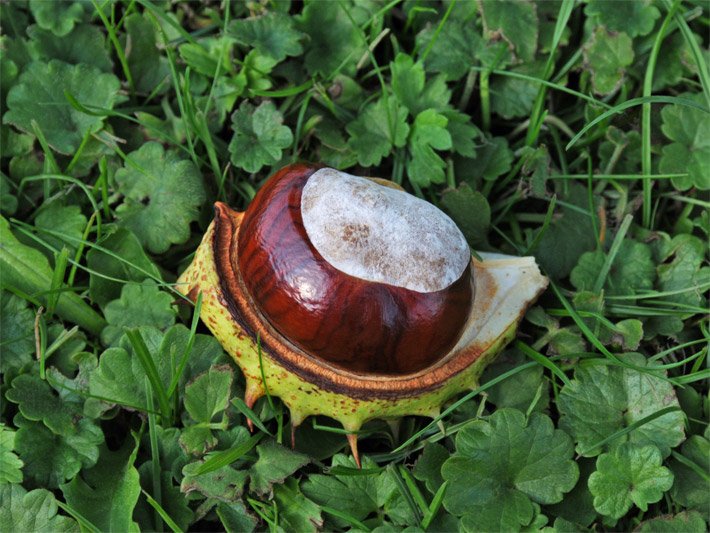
[(582, 140)]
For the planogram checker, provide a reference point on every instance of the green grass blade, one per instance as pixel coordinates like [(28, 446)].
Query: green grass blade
[(636, 102), (542, 360), (227, 457), (141, 351)]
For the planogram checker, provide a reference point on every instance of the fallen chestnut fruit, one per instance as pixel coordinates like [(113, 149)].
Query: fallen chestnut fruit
[(348, 297)]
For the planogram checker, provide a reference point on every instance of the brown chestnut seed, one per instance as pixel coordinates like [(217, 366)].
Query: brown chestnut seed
[(348, 301), (366, 306)]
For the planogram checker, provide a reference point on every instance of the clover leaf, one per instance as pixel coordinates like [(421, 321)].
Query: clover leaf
[(607, 55), (272, 34), (630, 475), (428, 134), (504, 466), (259, 136), (31, 511), (690, 151), (162, 195), (39, 95), (377, 129), (141, 304), (604, 399)]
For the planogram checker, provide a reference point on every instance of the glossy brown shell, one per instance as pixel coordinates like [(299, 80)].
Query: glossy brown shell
[(357, 325)]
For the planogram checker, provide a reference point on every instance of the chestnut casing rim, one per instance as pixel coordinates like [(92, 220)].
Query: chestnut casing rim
[(317, 371), (356, 325)]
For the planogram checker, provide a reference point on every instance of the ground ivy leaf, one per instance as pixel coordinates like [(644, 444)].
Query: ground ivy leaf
[(603, 399), (504, 464), (513, 20), (354, 495), (690, 151), (455, 49), (519, 390), (274, 465), (428, 134), (176, 505), (67, 220), (107, 493), (514, 97), (296, 511), (140, 304), (464, 134), (428, 466), (471, 212), (681, 267), (120, 376), (39, 96), (224, 484), (372, 137), (578, 504), (31, 511), (567, 237), (148, 67), (633, 270), (50, 459), (684, 522), (259, 136), (235, 518), (17, 326), (208, 395), (630, 475), (120, 256), (84, 44), (162, 195), (494, 158), (408, 85), (272, 34), (333, 38), (690, 489), (59, 17), (633, 18), (607, 55), (10, 464)]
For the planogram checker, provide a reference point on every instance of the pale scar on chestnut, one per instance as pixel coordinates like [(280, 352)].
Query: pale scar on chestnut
[(353, 299)]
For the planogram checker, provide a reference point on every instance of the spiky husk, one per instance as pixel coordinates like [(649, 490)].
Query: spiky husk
[(486, 334)]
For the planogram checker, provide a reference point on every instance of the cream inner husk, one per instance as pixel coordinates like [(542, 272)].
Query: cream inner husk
[(381, 234)]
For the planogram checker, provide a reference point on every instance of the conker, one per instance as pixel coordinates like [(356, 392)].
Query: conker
[(382, 311)]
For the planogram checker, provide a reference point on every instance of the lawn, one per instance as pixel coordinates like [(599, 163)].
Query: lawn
[(574, 132)]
